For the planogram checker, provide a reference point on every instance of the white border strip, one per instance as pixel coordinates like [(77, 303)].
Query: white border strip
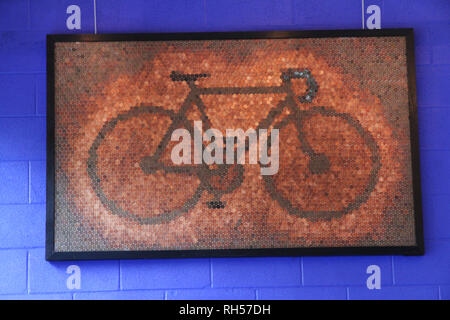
[(95, 18)]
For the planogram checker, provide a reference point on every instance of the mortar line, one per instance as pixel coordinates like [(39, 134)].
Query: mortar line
[(29, 181), (302, 271), (35, 95), (120, 275), (205, 19), (29, 15), (293, 12), (393, 274), (210, 273), (27, 272)]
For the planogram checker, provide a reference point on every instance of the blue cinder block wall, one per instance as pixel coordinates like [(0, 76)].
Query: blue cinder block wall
[(24, 273)]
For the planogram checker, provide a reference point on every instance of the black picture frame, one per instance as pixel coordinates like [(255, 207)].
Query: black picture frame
[(417, 249)]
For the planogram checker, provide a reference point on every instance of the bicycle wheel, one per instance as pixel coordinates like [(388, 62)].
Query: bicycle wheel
[(114, 167), (329, 164)]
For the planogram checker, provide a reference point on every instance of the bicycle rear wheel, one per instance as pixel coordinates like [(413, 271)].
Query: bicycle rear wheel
[(118, 179)]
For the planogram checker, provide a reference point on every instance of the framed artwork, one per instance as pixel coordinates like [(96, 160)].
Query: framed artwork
[(232, 144)]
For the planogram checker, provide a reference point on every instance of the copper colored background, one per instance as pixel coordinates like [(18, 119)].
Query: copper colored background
[(362, 77)]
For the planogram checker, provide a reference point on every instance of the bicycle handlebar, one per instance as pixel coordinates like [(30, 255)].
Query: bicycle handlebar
[(311, 92)]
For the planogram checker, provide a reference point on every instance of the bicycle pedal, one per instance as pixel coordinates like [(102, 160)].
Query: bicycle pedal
[(216, 204)]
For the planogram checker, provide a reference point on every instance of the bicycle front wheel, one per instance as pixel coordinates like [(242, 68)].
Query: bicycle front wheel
[(329, 164)]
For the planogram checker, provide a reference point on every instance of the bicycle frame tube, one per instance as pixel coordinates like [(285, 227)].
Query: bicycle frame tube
[(194, 98), (241, 90)]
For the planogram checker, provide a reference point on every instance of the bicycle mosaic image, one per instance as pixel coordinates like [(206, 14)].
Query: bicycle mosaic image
[(331, 115)]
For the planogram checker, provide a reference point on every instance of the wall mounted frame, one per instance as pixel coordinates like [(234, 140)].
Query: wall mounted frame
[(97, 83)]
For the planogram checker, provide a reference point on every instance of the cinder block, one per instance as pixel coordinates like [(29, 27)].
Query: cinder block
[(37, 181), (50, 16), (22, 51), (120, 295), (17, 94), (435, 171), (212, 294), (256, 272), (150, 16), (444, 292), (248, 15), (433, 128), (432, 86), (339, 271), (395, 293), (439, 31), (441, 54), (334, 15), (14, 182), (22, 226), (55, 296), (422, 55), (304, 293), (436, 217), (13, 15), (406, 11), (41, 94), (432, 268), (23, 138), (171, 273), (46, 277), (13, 271)]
